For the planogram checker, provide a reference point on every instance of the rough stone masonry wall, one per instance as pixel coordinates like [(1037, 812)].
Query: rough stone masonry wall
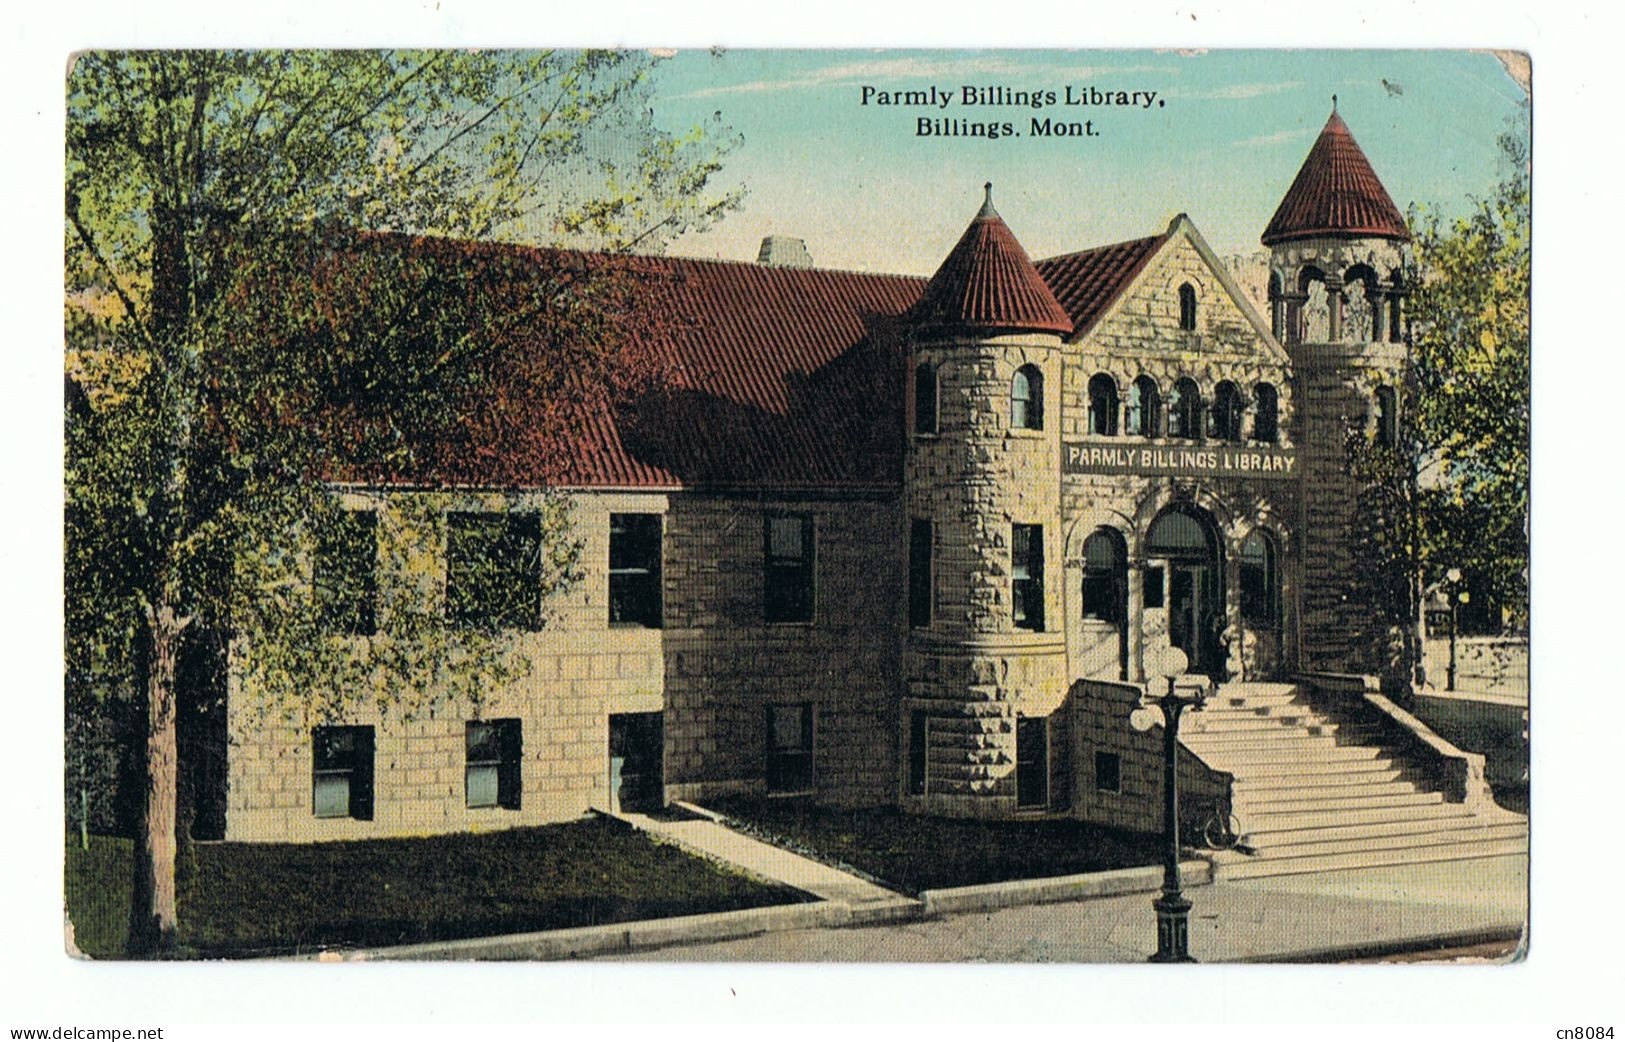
[(1141, 336), (972, 670), (725, 664), (1338, 383), (1099, 712), (580, 671)]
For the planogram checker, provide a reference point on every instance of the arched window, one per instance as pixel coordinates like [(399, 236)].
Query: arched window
[(1266, 414), (1144, 405), (925, 398), (1185, 410), (1105, 576), (1260, 580), (1187, 307), (1227, 410), (1387, 417), (1027, 399), (1102, 404)]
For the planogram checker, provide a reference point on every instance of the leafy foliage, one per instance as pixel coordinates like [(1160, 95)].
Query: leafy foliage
[(1450, 488), (280, 285)]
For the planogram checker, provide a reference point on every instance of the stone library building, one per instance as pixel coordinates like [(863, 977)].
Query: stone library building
[(925, 543)]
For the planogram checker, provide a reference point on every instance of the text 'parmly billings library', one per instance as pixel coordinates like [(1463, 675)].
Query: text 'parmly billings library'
[(922, 543)]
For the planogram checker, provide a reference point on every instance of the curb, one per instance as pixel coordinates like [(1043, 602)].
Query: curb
[(612, 937), (990, 896), (1377, 949)]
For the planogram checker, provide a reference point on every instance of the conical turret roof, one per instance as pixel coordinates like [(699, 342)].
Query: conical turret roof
[(988, 282), (1336, 195)]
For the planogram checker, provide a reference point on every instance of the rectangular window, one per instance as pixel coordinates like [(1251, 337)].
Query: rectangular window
[(346, 573), (919, 738), (787, 575), (1151, 585), (790, 748), (920, 585), (1032, 761), (342, 772), (634, 570), (1027, 576), (1108, 772), (491, 754), (494, 571)]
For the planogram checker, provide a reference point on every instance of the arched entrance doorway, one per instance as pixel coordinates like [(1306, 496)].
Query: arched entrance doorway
[(1184, 542)]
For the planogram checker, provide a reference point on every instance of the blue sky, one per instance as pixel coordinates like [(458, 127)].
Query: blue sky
[(868, 194)]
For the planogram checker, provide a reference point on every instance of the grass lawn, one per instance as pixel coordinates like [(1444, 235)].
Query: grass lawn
[(914, 853), (275, 898)]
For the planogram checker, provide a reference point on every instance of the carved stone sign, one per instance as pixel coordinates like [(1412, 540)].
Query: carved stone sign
[(1229, 461)]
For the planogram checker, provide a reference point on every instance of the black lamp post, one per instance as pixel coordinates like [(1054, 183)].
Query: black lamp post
[(1453, 578), (1173, 910)]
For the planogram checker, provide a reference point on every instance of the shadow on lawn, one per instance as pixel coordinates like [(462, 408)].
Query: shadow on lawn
[(243, 899), (912, 852)]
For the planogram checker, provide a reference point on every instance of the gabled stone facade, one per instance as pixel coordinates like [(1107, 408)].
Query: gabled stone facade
[(973, 624)]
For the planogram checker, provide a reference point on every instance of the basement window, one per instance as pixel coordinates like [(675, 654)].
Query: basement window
[(634, 570), (492, 753), (1108, 772), (1032, 762), (341, 783), (919, 739), (790, 748)]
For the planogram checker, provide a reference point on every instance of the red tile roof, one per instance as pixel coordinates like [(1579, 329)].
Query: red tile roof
[(987, 282), (777, 377), (1087, 282), (1336, 195), (792, 378)]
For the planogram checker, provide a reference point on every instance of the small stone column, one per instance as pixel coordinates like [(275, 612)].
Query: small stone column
[(1334, 309), (1232, 612), (1379, 314), (1135, 610), (1294, 316)]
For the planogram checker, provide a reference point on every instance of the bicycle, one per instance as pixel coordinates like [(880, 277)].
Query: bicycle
[(1222, 830)]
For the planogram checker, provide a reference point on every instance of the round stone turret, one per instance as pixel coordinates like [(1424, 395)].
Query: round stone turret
[(982, 495)]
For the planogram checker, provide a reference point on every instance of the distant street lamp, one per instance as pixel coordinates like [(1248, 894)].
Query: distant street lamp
[(1453, 579), (1173, 910)]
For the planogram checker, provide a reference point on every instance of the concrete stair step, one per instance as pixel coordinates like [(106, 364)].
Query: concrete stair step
[(1203, 724), (1471, 831), (1253, 868), (1261, 825), (1309, 783), (1248, 809), (1309, 772), (1269, 838), (1263, 798), (1308, 754)]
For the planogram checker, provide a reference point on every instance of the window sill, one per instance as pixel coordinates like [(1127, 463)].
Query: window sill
[(656, 627), (1025, 432), (790, 795)]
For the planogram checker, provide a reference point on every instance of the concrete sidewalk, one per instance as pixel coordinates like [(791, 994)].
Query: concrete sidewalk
[(1315, 917), (711, 839)]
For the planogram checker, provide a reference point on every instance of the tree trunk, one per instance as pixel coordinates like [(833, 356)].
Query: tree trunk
[(153, 916)]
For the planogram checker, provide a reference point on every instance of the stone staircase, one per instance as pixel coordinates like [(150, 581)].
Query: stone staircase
[(1314, 794)]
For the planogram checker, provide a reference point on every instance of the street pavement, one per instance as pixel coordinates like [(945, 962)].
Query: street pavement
[(1328, 916)]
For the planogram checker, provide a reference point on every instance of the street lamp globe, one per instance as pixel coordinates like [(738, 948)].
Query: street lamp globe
[(1173, 662)]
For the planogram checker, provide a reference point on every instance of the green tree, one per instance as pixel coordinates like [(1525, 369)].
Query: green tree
[(275, 281), (1470, 340), (1448, 487)]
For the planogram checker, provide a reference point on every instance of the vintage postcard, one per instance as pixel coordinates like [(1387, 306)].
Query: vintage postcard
[(797, 505)]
